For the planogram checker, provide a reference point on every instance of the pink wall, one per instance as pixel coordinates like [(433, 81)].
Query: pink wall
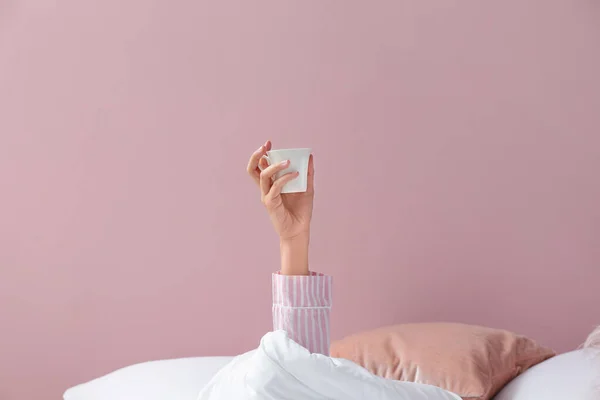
[(457, 150)]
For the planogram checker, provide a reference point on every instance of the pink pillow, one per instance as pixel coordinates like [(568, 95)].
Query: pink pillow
[(471, 361)]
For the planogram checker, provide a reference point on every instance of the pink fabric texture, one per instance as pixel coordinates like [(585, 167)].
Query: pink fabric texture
[(471, 361), (301, 307)]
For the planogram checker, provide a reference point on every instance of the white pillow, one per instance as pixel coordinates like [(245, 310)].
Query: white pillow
[(178, 379), (569, 376)]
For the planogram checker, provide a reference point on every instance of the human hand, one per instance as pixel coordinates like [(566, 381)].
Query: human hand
[(290, 213)]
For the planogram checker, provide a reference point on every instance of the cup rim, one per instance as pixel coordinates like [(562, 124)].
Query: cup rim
[(303, 149)]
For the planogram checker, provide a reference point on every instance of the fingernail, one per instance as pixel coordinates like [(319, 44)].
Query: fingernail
[(261, 148), (286, 162)]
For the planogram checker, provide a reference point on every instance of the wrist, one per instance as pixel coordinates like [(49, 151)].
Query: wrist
[(294, 255), (298, 241)]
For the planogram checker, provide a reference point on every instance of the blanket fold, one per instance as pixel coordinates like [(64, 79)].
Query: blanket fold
[(281, 369)]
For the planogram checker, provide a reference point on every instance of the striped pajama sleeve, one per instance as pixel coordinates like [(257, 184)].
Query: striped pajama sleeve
[(301, 307)]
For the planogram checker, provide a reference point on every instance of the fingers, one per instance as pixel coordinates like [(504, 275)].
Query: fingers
[(267, 174), (255, 159), (263, 164), (279, 183), (311, 175), (252, 167)]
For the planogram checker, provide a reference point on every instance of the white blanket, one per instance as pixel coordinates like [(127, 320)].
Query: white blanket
[(281, 369)]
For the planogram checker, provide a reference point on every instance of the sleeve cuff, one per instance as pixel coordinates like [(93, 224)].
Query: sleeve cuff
[(302, 291)]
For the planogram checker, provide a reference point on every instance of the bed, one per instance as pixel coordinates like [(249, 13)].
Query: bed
[(573, 375), (178, 379)]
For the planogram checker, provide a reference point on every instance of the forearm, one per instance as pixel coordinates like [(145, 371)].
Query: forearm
[(301, 299), (294, 255)]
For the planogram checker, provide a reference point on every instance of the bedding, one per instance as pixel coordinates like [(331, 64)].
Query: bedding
[(178, 379), (282, 369), (573, 376), (472, 361)]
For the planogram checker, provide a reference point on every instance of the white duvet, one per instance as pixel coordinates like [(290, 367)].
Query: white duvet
[(281, 369)]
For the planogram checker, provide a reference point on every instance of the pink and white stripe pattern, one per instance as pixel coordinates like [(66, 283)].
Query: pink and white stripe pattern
[(301, 307)]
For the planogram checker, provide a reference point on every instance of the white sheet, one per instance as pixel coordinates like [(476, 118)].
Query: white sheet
[(572, 376), (283, 370), (179, 379)]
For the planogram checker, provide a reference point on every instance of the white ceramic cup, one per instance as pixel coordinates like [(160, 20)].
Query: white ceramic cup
[(298, 162)]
